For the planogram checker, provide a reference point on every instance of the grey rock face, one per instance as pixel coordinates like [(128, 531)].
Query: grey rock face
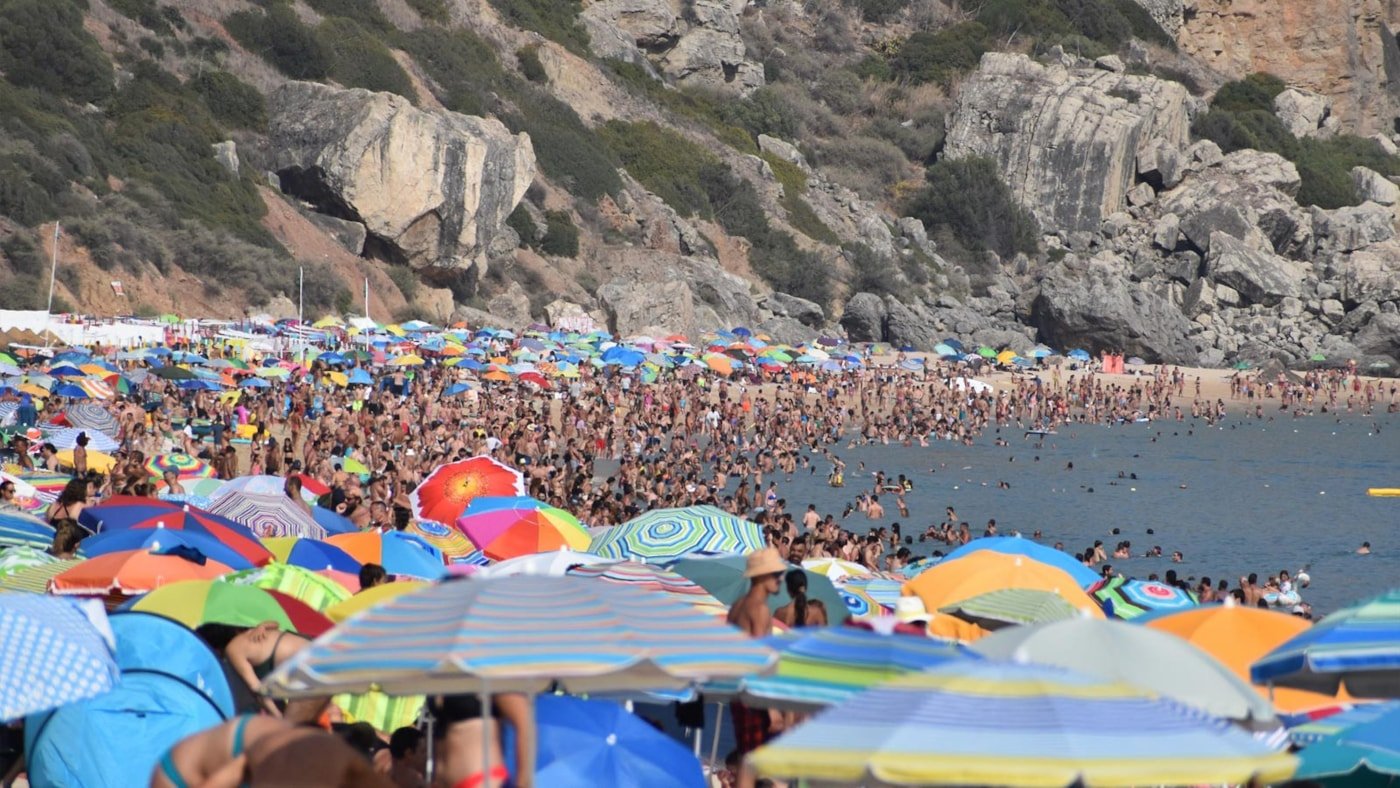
[(1259, 277), (431, 187), (1302, 112), (909, 326), (864, 318), (1380, 336), (658, 308), (1243, 195), (1374, 187), (782, 149), (808, 313), (1066, 141), (696, 42), (1352, 227), (350, 235), (1371, 274), (226, 154), (1168, 14)]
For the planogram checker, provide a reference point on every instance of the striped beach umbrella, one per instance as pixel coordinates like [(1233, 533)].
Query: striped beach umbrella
[(399, 553), (17, 528), (449, 489), (28, 497), (521, 634), (449, 540), (1314, 731), (653, 578), (1015, 606), (67, 438), (1133, 598), (986, 570), (13, 559), (128, 512), (1364, 753), (1357, 647), (504, 532), (162, 539), (91, 416), (822, 667), (1016, 545), (1118, 651), (723, 576), (35, 579), (197, 602), (258, 485), (836, 569), (268, 515), (183, 465), (661, 536), (385, 713), (56, 652), (984, 723), (48, 483), (315, 590)]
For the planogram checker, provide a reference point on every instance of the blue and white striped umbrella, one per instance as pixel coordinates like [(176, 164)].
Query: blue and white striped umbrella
[(53, 651), (23, 529), (67, 438), (988, 723), (521, 634), (664, 535), (1358, 646)]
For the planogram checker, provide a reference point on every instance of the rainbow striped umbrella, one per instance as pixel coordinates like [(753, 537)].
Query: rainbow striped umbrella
[(665, 535), (1357, 647), (385, 712), (48, 484), (268, 515), (521, 526), (258, 485), (821, 667), (316, 591), (27, 496), (1012, 607), (521, 634), (35, 579), (1133, 598), (197, 602), (183, 465), (18, 529), (449, 489), (967, 722), (653, 578), (452, 542)]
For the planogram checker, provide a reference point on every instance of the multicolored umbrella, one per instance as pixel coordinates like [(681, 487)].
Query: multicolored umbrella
[(399, 553), (553, 564), (369, 598), (837, 570), (723, 576), (182, 465), (1238, 636), (55, 652), (821, 667), (268, 515), (443, 497), (132, 572), (984, 723), (1357, 647), (1365, 753), (160, 540), (450, 541), (504, 533), (35, 579), (1314, 731), (1015, 607), (661, 536), (1133, 598), (1113, 650), (521, 634), (126, 512), (259, 485), (197, 602), (28, 497), (311, 554), (1016, 545), (986, 570), (91, 416), (18, 529), (385, 713), (13, 559), (653, 578), (314, 590)]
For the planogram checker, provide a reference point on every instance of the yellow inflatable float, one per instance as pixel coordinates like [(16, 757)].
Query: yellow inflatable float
[(1384, 492)]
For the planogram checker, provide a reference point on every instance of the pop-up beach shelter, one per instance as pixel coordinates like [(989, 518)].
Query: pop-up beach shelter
[(171, 686)]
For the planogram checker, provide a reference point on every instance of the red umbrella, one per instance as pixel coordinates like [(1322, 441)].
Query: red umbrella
[(311, 485), (128, 511), (444, 495)]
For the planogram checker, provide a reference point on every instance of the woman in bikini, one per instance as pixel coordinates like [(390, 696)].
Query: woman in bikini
[(70, 502), (459, 743), (254, 750), (254, 653)]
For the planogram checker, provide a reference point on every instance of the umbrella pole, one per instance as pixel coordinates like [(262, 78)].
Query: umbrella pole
[(429, 767), (719, 723), (486, 731), (529, 733)]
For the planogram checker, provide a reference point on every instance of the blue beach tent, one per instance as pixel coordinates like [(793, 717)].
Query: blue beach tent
[(172, 685)]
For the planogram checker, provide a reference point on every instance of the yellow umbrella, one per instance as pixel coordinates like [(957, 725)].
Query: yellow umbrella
[(339, 378), (328, 322), (368, 599), (410, 360), (395, 330), (96, 460), (33, 390), (984, 571), (1006, 356)]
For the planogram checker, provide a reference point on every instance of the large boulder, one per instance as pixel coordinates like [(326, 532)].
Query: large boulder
[(431, 187), (1352, 227), (1096, 306), (1168, 14), (1247, 195), (1371, 186), (1371, 274), (1380, 336), (864, 318), (909, 325), (695, 42), (1259, 277), (656, 308), (1302, 112), (808, 313), (1066, 141)]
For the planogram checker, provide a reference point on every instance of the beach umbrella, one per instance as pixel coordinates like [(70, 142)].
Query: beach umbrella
[(184, 466), (399, 553), (1078, 354), (312, 554), (1132, 598), (1016, 545), (551, 564), (586, 743), (268, 515), (444, 495), (67, 438), (173, 373), (664, 535), (504, 533), (28, 497), (197, 602), (1012, 607), (91, 416), (521, 634), (124, 512), (982, 723), (96, 460), (1118, 651), (52, 652), (386, 713), (652, 578), (371, 597), (304, 585), (201, 489), (986, 570), (1365, 753), (821, 667), (259, 485), (13, 559), (17, 528), (723, 576), (1357, 647), (35, 579), (162, 539), (333, 522), (1238, 636), (48, 484), (132, 572), (986, 352), (451, 542), (835, 569), (1316, 730)]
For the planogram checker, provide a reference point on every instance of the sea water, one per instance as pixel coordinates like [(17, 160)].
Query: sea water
[(1242, 496)]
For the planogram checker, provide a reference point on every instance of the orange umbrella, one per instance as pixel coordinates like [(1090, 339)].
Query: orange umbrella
[(984, 571), (719, 363), (132, 572), (949, 627), (1238, 637)]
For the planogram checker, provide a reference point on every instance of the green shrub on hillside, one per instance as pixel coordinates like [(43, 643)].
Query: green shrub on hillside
[(232, 101), (702, 106), (560, 235), (43, 45), (799, 212), (666, 163), (278, 36), (873, 273), (464, 67), (29, 186), (969, 198), (359, 59), (144, 12), (878, 11), (405, 280), (530, 66), (941, 56), (763, 111), (556, 20), (431, 10), (524, 225), (570, 153), (366, 13)]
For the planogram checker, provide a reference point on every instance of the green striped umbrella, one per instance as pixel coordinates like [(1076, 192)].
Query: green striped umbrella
[(665, 535), (317, 591), (13, 559), (35, 579), (1012, 607)]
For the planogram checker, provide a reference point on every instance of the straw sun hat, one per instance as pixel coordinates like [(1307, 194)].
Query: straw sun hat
[(764, 562)]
